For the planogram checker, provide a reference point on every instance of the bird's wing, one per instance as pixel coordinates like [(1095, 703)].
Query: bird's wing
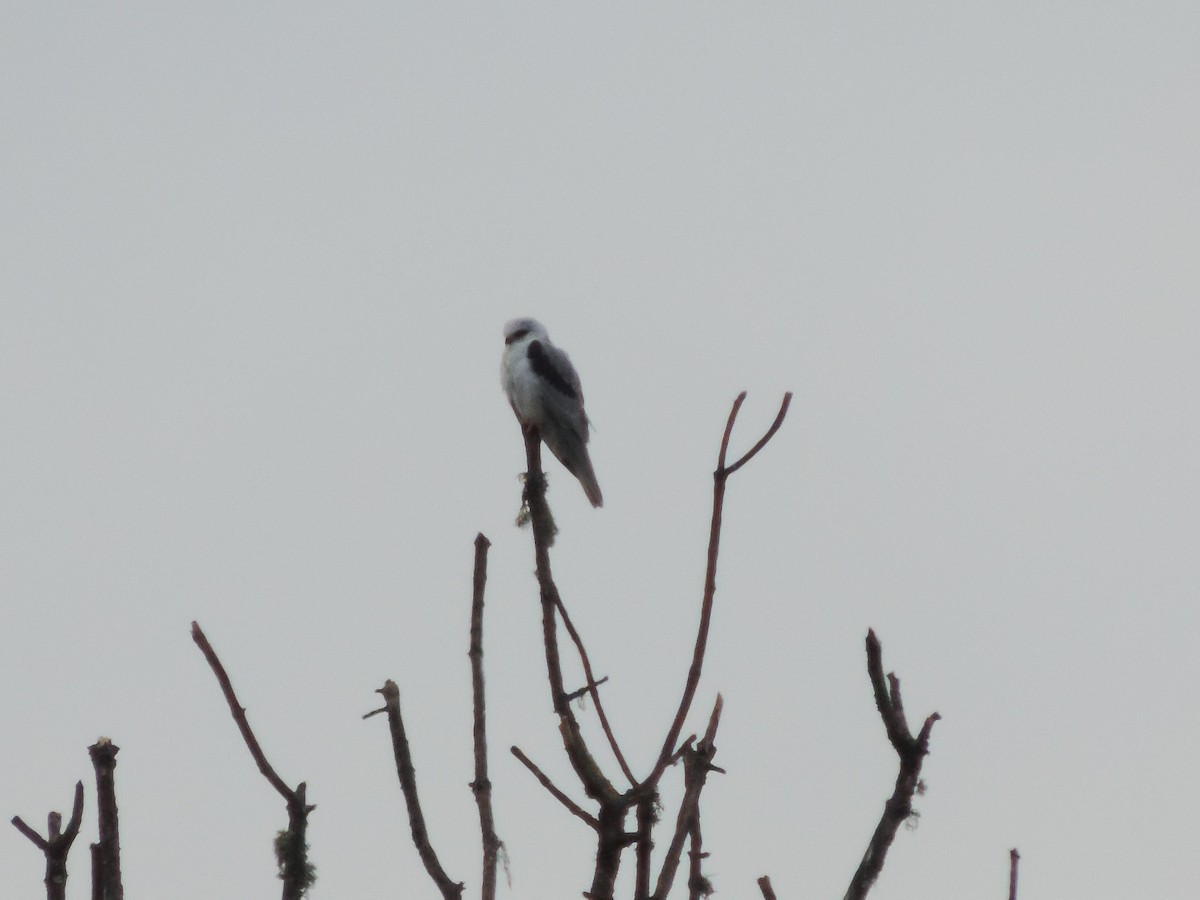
[(563, 397)]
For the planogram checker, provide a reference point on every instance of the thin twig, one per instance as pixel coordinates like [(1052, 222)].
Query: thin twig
[(574, 808), (586, 690), (291, 845), (764, 885), (1013, 858), (911, 752), (56, 845), (481, 787), (450, 889), (762, 441), (239, 714), (720, 477), (592, 688)]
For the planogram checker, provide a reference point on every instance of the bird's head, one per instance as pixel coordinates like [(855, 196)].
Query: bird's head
[(521, 331)]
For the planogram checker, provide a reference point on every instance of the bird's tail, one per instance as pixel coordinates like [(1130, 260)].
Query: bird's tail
[(587, 478), (572, 453)]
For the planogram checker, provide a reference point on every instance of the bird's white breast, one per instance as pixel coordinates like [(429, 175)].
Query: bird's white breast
[(522, 384)]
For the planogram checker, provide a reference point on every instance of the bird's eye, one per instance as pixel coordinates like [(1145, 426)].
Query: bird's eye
[(516, 335)]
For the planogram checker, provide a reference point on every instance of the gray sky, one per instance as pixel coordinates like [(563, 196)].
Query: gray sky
[(256, 261)]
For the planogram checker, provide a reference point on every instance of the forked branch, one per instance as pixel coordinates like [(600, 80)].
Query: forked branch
[(720, 477), (911, 752), (56, 845)]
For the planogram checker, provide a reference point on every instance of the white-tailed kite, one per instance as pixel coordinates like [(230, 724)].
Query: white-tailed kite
[(543, 388)]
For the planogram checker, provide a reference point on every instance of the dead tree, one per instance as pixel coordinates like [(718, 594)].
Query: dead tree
[(613, 805), (291, 845), (56, 845)]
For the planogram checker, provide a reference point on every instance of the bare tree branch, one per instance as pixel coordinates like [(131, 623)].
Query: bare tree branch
[(574, 808), (764, 885), (610, 830), (698, 885), (97, 873), (720, 477), (291, 845), (104, 761), (481, 787), (697, 763), (592, 688), (614, 806), (450, 889), (56, 845), (1013, 858), (911, 751)]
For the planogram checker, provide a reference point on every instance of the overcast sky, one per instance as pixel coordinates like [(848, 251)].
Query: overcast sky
[(255, 260)]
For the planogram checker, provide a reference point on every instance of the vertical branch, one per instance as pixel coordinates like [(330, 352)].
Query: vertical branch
[(610, 821), (698, 885), (97, 873), (450, 889), (911, 752), (596, 785), (291, 847), (481, 787), (104, 760), (697, 763), (720, 477), (1013, 858), (647, 818), (56, 845), (764, 885)]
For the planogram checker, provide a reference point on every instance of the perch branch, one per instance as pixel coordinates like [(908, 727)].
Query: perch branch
[(1013, 858), (911, 752), (764, 885), (610, 831)]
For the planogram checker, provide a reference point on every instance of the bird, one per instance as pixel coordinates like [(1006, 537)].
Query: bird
[(543, 390)]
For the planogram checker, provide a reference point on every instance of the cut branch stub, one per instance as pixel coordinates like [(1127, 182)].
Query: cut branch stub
[(104, 760), (449, 888)]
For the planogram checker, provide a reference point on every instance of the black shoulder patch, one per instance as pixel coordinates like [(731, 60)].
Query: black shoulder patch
[(545, 369)]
